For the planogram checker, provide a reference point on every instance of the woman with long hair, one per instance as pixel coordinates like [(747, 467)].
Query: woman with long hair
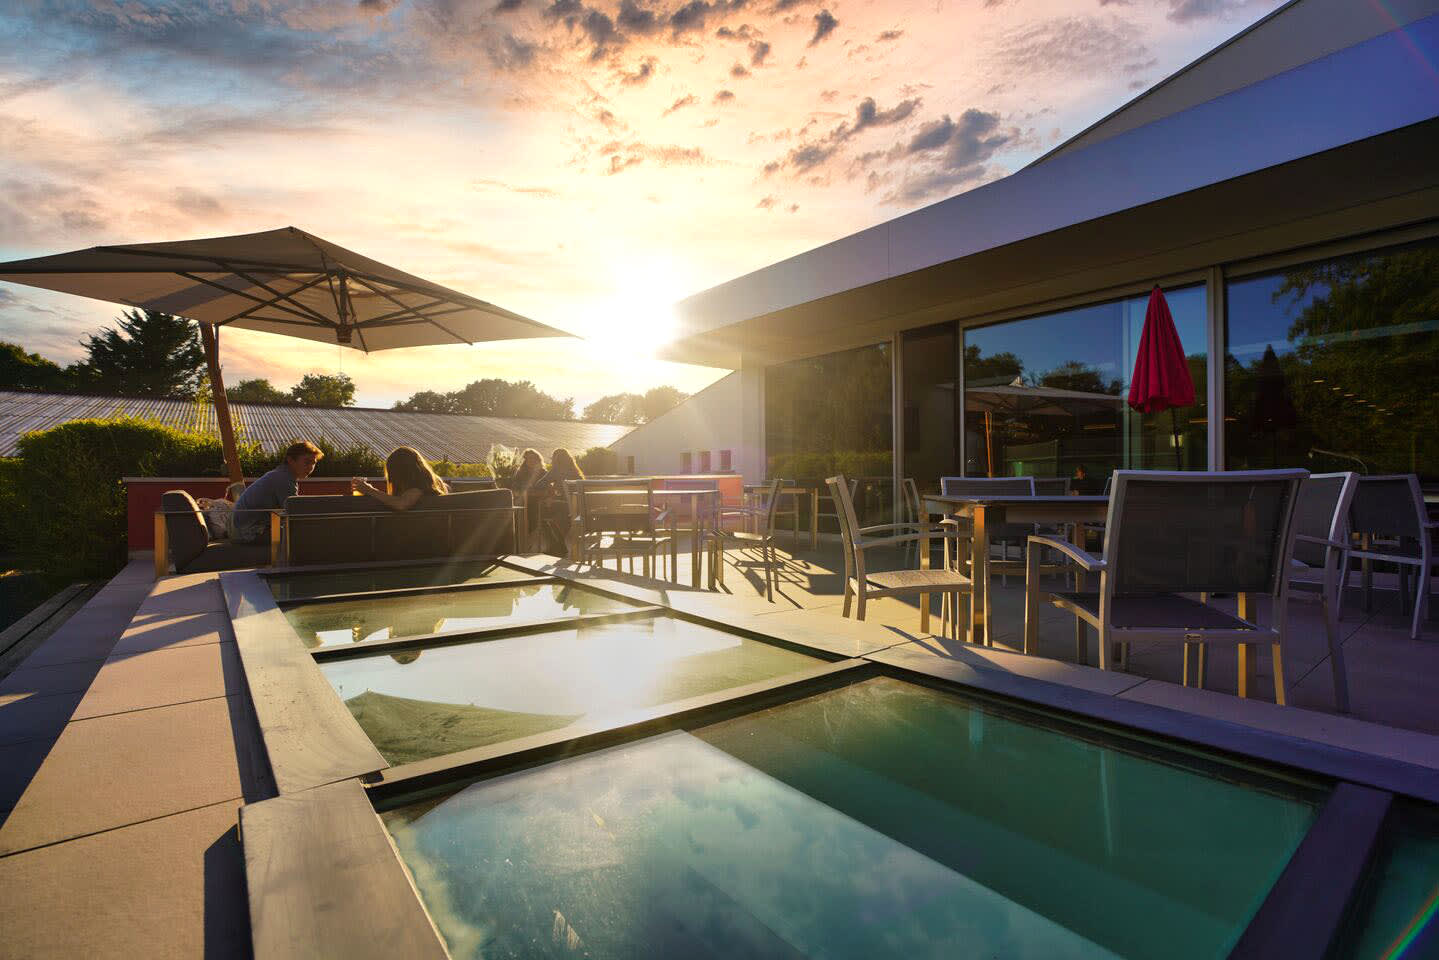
[(531, 469), (555, 509), (562, 468), (408, 479)]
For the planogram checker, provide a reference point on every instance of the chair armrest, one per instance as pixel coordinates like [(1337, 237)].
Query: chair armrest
[(934, 529), (1321, 541), (908, 538), (1085, 559)]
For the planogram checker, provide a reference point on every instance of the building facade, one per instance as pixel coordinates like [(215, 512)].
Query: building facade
[(1282, 191)]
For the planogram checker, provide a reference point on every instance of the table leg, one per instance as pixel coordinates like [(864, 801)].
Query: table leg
[(924, 597), (1246, 668), (979, 573), (1081, 638), (814, 519)]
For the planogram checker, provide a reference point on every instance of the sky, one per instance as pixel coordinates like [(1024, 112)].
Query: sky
[(582, 163)]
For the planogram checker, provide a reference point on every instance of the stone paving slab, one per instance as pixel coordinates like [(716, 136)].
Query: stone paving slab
[(963, 662), (171, 675), (29, 716), (52, 678), (121, 769), (168, 888), (185, 630)]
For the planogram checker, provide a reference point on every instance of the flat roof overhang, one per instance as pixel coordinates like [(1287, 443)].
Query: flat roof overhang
[(1305, 157)]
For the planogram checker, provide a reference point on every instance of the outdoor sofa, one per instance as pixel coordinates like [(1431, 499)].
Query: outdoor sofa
[(347, 529), (182, 538)]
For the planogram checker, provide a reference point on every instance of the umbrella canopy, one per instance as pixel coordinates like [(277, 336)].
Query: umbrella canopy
[(281, 281), (1161, 378), (1020, 399)]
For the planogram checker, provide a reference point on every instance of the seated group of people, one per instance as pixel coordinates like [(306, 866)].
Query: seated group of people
[(408, 479)]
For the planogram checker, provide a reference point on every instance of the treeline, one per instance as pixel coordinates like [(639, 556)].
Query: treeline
[(152, 354)]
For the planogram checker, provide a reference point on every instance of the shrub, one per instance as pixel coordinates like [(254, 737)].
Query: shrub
[(448, 468), (503, 462), (599, 462)]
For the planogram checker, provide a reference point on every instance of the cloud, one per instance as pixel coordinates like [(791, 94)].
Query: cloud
[(867, 114), (483, 182), (688, 100), (758, 51), (621, 156), (634, 18), (815, 153), (1188, 11), (724, 96), (932, 135), (966, 147), (695, 14), (1067, 47), (824, 24), (738, 70), (767, 202), (641, 75), (889, 35), (507, 6)]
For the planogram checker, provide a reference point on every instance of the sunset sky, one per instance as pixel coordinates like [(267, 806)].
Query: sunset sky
[(584, 164)]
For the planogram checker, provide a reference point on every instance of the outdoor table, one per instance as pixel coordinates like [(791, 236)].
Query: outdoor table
[(697, 524), (983, 513), (796, 492)]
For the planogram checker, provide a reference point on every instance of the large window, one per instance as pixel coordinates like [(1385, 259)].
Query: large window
[(832, 414), (1332, 365), (1045, 396)]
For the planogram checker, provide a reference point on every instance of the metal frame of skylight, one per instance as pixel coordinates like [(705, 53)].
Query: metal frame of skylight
[(1303, 915)]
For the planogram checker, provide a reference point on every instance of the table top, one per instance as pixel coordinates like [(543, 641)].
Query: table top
[(1059, 500), (688, 492)]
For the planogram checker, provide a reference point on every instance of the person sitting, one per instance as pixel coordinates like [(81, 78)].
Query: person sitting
[(408, 479), (531, 470), (556, 508), (251, 516)]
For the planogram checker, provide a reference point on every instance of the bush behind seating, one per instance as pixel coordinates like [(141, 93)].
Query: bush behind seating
[(62, 502)]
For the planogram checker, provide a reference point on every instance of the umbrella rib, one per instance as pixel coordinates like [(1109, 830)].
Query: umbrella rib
[(242, 293), (270, 303), (287, 297), (411, 311), (377, 321)]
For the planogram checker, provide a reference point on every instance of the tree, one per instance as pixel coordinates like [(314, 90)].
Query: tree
[(634, 407), (615, 408), (324, 390), (258, 390), (152, 354), (29, 371), (428, 401), (659, 400)]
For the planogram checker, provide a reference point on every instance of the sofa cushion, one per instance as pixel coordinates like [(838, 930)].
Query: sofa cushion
[(323, 530), (228, 555), (184, 527)]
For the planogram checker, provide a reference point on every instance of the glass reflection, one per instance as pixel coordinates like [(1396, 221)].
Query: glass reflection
[(387, 618), (832, 414), (468, 695), (883, 819), (1330, 365), (299, 586), (929, 374), (1045, 396)]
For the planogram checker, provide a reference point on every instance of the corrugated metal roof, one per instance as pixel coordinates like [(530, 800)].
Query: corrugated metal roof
[(456, 437)]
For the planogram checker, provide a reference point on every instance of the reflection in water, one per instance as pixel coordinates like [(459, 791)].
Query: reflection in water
[(473, 694), (298, 586), (384, 618), (878, 820)]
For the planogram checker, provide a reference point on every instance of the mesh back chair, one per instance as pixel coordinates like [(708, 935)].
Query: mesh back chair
[(861, 585), (617, 518), (1388, 516), (762, 538), (1321, 542), (852, 486), (1051, 486), (1170, 534), (1002, 534)]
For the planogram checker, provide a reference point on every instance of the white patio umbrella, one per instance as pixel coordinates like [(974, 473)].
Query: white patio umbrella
[(280, 281)]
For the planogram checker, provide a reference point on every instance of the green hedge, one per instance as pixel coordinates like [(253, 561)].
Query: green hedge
[(448, 468), (812, 467)]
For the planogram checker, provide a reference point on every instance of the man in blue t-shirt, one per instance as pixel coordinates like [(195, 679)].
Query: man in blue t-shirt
[(252, 510)]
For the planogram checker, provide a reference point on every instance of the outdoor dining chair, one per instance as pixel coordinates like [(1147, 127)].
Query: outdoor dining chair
[(1389, 517), (1002, 534), (618, 519), (1321, 542), (862, 585), (762, 538), (1173, 534)]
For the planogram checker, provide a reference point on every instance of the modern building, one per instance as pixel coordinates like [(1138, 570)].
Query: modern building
[(1283, 191)]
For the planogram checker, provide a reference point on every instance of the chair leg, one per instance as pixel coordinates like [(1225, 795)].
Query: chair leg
[(1278, 654), (1104, 650), (1421, 596), (769, 573), (1245, 654), (859, 607)]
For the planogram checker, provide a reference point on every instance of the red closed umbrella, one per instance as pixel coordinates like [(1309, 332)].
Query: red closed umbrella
[(1161, 379)]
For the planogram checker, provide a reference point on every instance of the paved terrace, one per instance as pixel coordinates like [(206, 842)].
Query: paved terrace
[(127, 742)]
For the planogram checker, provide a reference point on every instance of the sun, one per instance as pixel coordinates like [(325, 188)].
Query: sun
[(637, 317)]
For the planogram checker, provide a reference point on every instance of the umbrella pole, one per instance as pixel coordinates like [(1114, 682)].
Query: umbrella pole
[(1174, 419), (210, 339)]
